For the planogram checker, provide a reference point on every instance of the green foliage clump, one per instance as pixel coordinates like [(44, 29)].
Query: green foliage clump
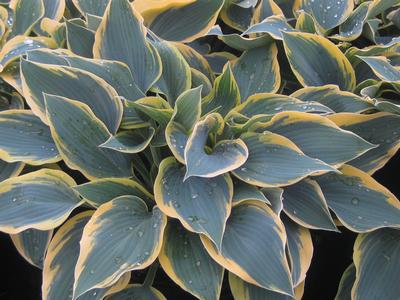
[(202, 137)]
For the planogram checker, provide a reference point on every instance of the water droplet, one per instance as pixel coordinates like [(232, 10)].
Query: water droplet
[(195, 196), (14, 199), (28, 42), (92, 272), (146, 253), (155, 225), (130, 228), (140, 233), (355, 201), (198, 263), (359, 217), (190, 281)]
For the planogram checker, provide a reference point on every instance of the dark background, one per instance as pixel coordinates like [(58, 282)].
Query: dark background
[(332, 254)]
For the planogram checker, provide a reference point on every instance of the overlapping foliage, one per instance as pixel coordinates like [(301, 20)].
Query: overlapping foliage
[(208, 137)]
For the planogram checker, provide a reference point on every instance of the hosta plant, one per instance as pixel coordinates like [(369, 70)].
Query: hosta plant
[(206, 138)]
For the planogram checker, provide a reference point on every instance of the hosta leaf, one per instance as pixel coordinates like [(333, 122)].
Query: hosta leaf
[(77, 133), (115, 73), (352, 28), (56, 30), (337, 100), (239, 41), (184, 23), (199, 79), (382, 68), (19, 45), (360, 202), (375, 254), (32, 245), (26, 13), (243, 290), (72, 83), (217, 60), (133, 141), (121, 236), (93, 21), (123, 26), (382, 129), (329, 13), (318, 137), (346, 283), (23, 137), (80, 40), (61, 257), (11, 75), (185, 260), (300, 251), (273, 25), (305, 23), (156, 108), (251, 229), (379, 6), (305, 204), (137, 291), (40, 200), (187, 112), (275, 197), (275, 161), (8, 170), (176, 75), (100, 191), (257, 71), (225, 94), (270, 104), (316, 61), (267, 8), (243, 192), (93, 7), (227, 155), (201, 204), (236, 16), (195, 60), (54, 10)]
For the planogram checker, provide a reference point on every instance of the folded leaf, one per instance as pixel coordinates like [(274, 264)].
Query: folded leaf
[(382, 129), (300, 251), (188, 264), (61, 257), (32, 245), (305, 204), (382, 68), (316, 61), (100, 191), (176, 76), (26, 13), (337, 100), (40, 200), (130, 141), (19, 46), (225, 94), (77, 132), (251, 229), (275, 161), (121, 236), (377, 253), (23, 137), (346, 283), (226, 155), (187, 112), (201, 204), (54, 10), (123, 26), (72, 83), (318, 137), (360, 202)]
